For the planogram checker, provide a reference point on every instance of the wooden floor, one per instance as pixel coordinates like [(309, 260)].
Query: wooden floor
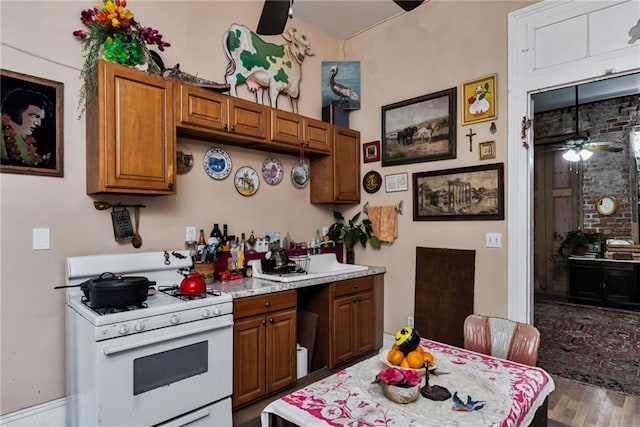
[(581, 405)]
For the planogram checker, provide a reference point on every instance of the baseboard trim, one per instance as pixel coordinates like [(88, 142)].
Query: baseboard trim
[(53, 413)]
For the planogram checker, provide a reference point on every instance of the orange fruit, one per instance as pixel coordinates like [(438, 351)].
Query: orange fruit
[(395, 356), (415, 359), (420, 349), (404, 363), (428, 358)]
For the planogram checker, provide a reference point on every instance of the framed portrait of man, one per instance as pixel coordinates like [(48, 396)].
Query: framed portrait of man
[(32, 120)]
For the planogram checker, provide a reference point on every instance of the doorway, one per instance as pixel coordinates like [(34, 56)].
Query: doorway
[(595, 44)]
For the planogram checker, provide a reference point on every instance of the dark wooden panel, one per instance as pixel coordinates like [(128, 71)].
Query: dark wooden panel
[(443, 293)]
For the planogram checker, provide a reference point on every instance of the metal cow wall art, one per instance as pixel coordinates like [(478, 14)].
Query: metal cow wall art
[(260, 65)]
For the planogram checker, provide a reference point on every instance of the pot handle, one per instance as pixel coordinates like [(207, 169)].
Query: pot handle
[(102, 276)]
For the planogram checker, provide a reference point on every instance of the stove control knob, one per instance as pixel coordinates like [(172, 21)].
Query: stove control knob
[(216, 311), (123, 330), (205, 313), (139, 327), (174, 319)]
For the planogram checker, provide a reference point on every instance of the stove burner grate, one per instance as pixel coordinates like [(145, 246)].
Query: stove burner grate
[(174, 291), (112, 310)]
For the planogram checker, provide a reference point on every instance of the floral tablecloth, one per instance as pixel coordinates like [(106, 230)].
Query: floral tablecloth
[(512, 393)]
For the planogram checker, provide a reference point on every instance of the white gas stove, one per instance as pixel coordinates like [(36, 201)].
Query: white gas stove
[(169, 358)]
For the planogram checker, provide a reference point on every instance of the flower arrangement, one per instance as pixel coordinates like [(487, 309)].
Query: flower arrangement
[(113, 32), (404, 378)]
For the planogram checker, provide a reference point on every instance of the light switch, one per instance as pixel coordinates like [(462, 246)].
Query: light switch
[(41, 239), (494, 240)]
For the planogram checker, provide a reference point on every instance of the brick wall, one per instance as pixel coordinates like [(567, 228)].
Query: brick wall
[(605, 173)]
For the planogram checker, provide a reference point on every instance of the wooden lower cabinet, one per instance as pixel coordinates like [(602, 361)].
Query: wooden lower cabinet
[(264, 345), (605, 283), (350, 319)]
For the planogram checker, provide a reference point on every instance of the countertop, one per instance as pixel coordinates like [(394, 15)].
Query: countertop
[(247, 287), (586, 258)]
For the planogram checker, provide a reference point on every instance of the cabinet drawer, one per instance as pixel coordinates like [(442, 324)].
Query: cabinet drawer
[(262, 304), (351, 286)]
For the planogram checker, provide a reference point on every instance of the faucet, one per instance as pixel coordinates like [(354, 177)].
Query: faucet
[(316, 247)]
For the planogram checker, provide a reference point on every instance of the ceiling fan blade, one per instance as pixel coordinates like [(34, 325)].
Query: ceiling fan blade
[(612, 147), (408, 5), (273, 19)]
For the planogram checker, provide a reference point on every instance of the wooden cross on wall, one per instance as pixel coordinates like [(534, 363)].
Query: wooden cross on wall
[(470, 135)]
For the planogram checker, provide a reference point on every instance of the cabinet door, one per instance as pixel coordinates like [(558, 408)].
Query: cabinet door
[(286, 128), (619, 284), (130, 133), (200, 108), (363, 321), (585, 282), (317, 135), (341, 340), (248, 118), (346, 152), (336, 178), (281, 369), (249, 350)]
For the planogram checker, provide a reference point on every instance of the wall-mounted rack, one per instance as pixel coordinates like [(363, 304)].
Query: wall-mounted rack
[(101, 206), (399, 207)]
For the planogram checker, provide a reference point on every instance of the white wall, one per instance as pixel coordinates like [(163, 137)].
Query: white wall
[(435, 47)]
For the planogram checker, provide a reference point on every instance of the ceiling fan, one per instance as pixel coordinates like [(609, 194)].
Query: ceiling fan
[(275, 14), (578, 146)]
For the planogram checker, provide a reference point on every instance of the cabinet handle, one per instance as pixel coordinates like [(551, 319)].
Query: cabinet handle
[(267, 304), (355, 299), (264, 322), (604, 285), (355, 286), (358, 299), (271, 320), (170, 185), (225, 127), (233, 128)]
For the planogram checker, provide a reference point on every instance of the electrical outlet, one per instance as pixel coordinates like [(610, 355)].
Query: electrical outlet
[(41, 239), (190, 235), (410, 321), (494, 240)]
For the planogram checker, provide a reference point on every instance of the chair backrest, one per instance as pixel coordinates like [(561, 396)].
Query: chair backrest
[(515, 341)]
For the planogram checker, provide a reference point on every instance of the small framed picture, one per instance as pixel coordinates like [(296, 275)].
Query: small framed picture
[(396, 182), (371, 151), (487, 150), (479, 100)]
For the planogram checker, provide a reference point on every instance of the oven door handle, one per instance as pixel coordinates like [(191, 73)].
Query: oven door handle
[(222, 323), (188, 419)]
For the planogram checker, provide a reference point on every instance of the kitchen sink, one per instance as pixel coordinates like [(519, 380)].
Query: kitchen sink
[(316, 266)]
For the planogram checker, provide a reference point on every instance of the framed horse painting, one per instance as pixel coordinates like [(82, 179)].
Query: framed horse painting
[(420, 129)]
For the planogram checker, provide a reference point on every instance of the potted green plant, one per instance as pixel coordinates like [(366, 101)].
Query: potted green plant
[(352, 232), (576, 242)]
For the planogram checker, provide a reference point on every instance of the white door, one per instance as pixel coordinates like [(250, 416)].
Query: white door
[(554, 44)]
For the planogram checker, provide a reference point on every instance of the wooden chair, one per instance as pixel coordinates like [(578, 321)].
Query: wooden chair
[(502, 338)]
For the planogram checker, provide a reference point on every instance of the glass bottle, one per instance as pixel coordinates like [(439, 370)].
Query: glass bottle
[(216, 232), (201, 247), (242, 242), (225, 235)]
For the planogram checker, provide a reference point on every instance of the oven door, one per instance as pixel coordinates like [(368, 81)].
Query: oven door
[(152, 377)]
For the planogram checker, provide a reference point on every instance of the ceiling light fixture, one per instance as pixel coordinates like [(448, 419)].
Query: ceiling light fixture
[(576, 154)]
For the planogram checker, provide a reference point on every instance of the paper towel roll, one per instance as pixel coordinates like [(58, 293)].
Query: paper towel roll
[(302, 361)]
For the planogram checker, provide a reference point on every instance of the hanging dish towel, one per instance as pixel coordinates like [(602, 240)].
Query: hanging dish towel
[(384, 220)]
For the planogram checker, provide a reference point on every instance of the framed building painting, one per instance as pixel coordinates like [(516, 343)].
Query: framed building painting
[(420, 129), (479, 100), (461, 194), (341, 84), (32, 121)]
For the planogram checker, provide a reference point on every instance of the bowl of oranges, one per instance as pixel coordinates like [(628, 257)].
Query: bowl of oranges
[(416, 359), (407, 353)]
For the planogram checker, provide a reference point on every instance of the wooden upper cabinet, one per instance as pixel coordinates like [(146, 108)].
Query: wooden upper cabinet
[(208, 114), (290, 130), (336, 178), (131, 140)]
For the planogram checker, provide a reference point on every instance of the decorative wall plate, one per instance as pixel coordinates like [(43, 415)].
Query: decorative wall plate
[(184, 159), (272, 171), (246, 181), (607, 205), (217, 163), (300, 174), (372, 182)]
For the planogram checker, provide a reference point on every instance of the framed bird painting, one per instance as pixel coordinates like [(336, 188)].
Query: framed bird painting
[(341, 84)]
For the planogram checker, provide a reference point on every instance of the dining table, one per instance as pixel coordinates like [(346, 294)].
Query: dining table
[(505, 393)]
